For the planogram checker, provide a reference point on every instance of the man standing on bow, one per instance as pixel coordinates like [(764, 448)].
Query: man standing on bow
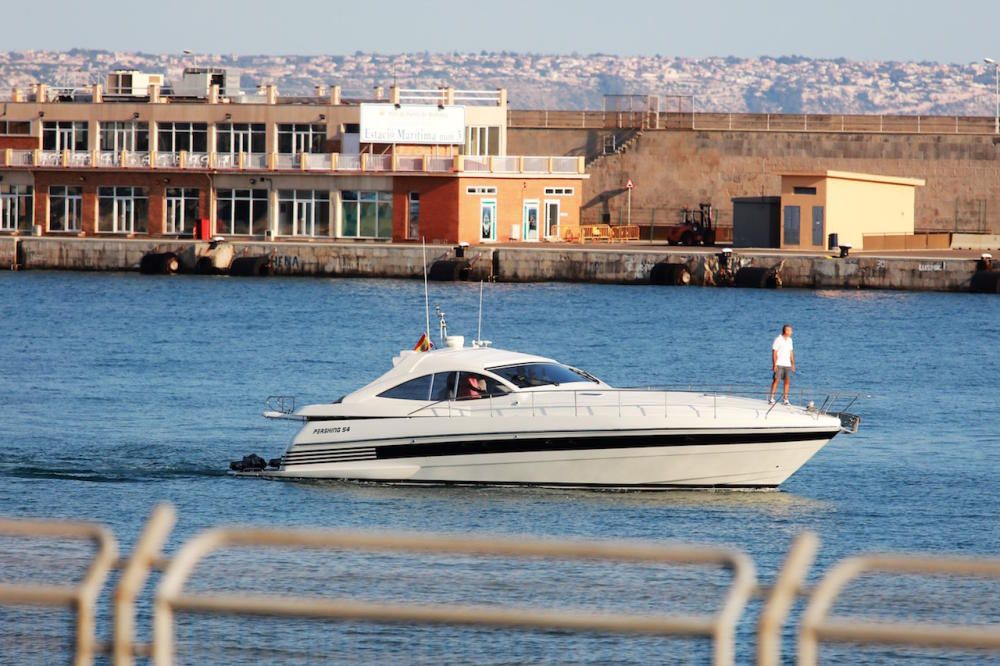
[(782, 362)]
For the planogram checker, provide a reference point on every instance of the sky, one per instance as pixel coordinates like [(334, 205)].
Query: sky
[(959, 31)]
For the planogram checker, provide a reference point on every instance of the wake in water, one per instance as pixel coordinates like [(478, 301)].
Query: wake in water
[(112, 474)]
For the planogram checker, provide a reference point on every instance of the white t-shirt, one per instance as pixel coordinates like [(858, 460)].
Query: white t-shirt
[(783, 346)]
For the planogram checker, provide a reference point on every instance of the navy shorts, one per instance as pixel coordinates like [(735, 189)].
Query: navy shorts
[(782, 372)]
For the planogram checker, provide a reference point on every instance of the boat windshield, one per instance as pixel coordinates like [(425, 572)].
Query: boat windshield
[(526, 375)]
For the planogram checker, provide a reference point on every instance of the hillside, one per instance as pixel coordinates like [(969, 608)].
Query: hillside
[(786, 84)]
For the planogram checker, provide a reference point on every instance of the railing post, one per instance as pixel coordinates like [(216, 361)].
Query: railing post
[(147, 549), (182, 159), (779, 602)]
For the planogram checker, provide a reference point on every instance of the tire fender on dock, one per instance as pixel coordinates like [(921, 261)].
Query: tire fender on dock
[(159, 263), (449, 270), (985, 282), (756, 277), (251, 266), (666, 273)]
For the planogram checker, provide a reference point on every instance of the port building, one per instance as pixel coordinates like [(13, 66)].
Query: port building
[(138, 157)]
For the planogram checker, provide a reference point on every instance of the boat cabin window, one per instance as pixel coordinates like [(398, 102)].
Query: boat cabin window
[(472, 386), (415, 389), (446, 386), (527, 375)]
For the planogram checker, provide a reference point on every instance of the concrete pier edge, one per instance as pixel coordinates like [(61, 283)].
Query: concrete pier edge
[(626, 264)]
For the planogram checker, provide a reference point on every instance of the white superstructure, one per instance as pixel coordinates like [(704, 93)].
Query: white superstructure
[(491, 416)]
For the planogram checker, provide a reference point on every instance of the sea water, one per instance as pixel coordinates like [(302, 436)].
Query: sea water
[(121, 391)]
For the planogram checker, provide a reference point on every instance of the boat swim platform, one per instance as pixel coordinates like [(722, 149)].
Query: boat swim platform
[(178, 603)]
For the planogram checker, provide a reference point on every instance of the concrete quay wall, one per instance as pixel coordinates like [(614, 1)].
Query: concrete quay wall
[(672, 169), (562, 263)]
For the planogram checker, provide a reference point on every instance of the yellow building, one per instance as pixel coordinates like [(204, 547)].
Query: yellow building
[(815, 205)]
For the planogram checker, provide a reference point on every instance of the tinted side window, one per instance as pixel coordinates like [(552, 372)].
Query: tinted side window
[(415, 389), (540, 374), (472, 386), (444, 386)]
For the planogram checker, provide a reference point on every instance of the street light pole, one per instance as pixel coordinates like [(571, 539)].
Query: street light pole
[(996, 70)]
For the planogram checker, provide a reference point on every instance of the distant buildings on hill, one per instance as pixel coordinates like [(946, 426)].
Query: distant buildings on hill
[(790, 84)]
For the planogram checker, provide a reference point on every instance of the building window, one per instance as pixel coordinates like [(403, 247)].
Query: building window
[(303, 213), (792, 220), (19, 127), (65, 206), (17, 209), (181, 210), (482, 189), (241, 212), (236, 138), (175, 137), (558, 191), (413, 215), (803, 190), (367, 214), (296, 138), (130, 136), (65, 135), (482, 141), (122, 210)]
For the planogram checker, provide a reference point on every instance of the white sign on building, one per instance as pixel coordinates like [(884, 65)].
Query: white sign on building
[(413, 123)]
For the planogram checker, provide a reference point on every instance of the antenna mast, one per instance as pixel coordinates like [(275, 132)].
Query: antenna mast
[(479, 328), (427, 300)]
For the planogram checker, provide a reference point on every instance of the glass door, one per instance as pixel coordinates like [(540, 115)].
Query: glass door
[(305, 221), (64, 137), (488, 218), (124, 215), (552, 219), (530, 221)]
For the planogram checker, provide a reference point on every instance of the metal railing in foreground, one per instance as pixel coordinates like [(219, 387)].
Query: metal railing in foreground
[(173, 598), (817, 627), (81, 599), (719, 627)]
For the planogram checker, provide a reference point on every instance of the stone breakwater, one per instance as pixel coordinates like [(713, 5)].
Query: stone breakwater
[(542, 263)]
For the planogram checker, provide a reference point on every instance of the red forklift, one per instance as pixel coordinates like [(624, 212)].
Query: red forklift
[(697, 227)]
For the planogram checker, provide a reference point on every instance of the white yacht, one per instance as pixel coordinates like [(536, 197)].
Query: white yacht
[(482, 415)]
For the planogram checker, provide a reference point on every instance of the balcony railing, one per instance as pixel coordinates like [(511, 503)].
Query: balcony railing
[(313, 162)]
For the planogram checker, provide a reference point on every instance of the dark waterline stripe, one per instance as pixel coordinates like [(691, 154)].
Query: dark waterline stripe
[(526, 445)]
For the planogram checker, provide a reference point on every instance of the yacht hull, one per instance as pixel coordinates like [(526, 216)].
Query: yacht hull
[(670, 458)]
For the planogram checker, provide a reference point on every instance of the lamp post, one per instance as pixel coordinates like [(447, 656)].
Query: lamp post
[(996, 69)]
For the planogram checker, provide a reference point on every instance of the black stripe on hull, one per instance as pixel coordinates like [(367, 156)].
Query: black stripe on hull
[(522, 484), (607, 442)]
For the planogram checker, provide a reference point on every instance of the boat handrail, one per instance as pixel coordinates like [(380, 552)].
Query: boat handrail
[(820, 402)]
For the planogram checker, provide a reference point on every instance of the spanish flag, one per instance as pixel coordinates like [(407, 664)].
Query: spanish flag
[(424, 343)]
